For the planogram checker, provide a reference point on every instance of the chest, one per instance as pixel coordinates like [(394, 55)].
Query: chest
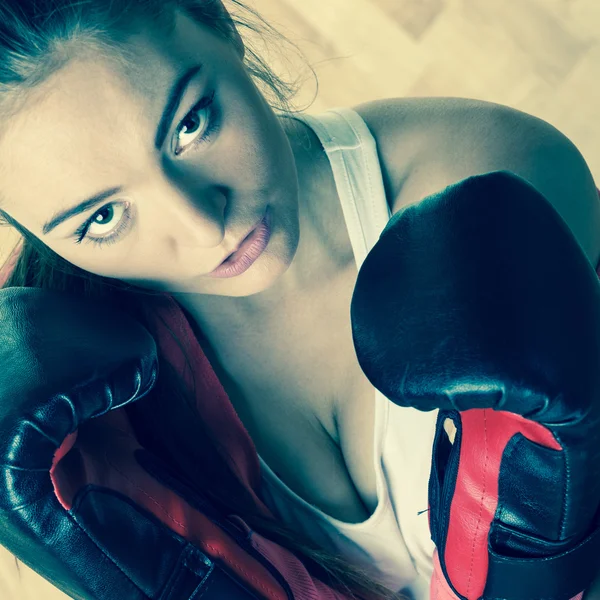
[(308, 407)]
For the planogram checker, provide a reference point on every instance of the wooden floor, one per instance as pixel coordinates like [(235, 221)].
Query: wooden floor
[(540, 56)]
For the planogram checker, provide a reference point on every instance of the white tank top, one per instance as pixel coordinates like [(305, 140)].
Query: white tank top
[(395, 539)]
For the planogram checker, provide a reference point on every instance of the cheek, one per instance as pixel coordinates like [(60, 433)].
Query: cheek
[(121, 259), (243, 157), (255, 146), (268, 157), (93, 260), (141, 271)]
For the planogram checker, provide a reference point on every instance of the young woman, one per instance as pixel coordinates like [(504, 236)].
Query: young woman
[(137, 153)]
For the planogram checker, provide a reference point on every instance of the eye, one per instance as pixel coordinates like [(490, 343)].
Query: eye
[(197, 126), (105, 225)]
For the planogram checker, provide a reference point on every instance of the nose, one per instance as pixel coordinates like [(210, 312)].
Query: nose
[(197, 218)]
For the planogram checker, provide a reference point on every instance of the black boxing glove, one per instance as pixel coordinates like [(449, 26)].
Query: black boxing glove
[(65, 361), (478, 301)]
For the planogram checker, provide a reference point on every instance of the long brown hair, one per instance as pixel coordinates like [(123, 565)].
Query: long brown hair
[(32, 35)]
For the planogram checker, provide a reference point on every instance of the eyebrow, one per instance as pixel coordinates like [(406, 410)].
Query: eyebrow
[(173, 102), (84, 206)]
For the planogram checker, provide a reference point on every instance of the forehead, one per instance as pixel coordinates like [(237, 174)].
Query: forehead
[(92, 123)]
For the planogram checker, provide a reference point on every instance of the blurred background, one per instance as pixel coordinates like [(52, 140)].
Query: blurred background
[(539, 56)]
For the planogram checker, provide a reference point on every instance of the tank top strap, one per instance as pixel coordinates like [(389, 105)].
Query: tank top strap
[(352, 152)]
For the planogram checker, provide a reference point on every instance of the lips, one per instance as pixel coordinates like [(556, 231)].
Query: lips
[(254, 228), (241, 243)]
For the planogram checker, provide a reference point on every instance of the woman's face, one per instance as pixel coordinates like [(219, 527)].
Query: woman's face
[(176, 190)]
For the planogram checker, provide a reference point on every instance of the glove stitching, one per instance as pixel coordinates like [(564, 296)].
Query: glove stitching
[(567, 486), (480, 502), (144, 492)]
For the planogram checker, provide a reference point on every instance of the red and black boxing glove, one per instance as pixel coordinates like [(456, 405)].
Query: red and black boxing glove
[(66, 362), (478, 301)]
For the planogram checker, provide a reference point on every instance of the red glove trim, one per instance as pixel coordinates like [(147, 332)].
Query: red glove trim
[(485, 434)]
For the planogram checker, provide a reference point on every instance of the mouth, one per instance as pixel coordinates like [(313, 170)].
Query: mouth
[(244, 239), (247, 251)]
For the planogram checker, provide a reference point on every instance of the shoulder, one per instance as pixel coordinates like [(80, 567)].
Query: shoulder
[(426, 144)]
